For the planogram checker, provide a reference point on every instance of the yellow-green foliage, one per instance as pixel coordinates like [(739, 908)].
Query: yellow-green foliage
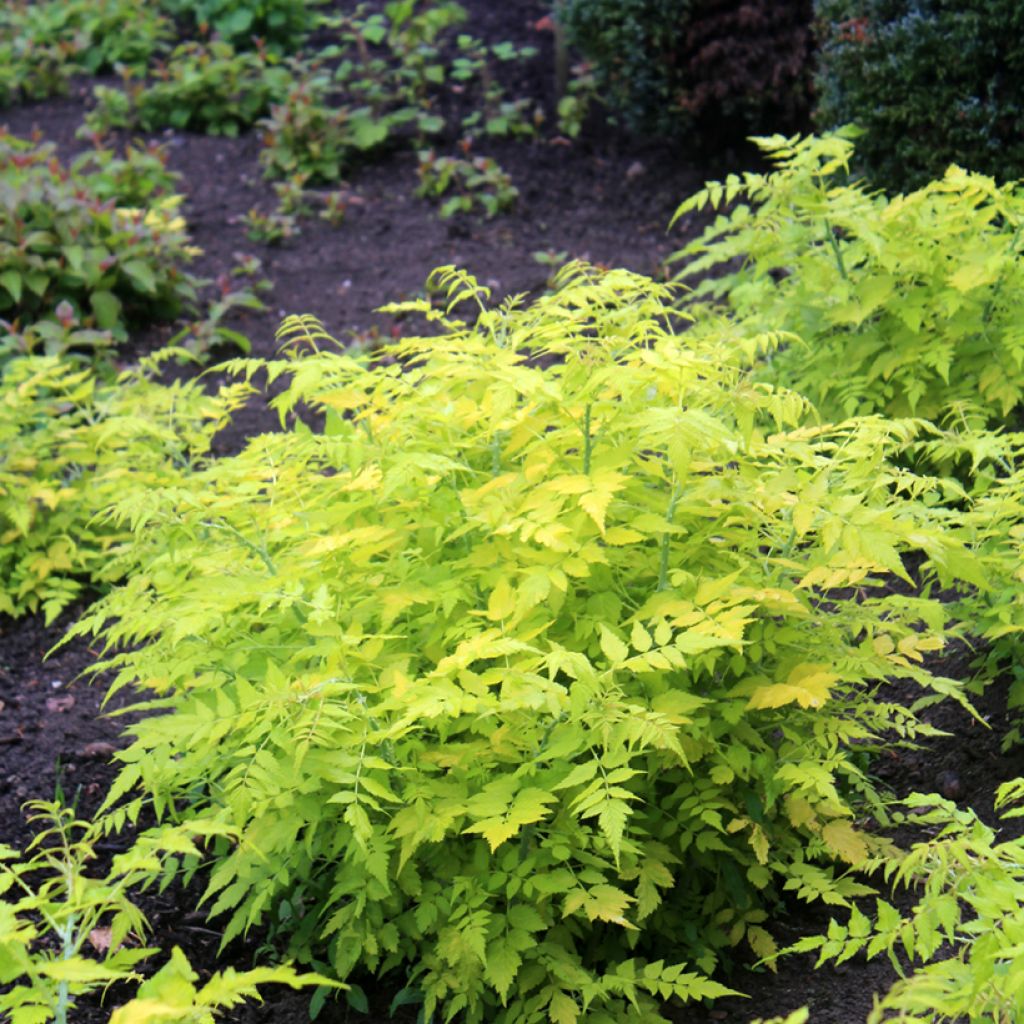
[(52, 908), (963, 936), (70, 445), (993, 524), (907, 305), (528, 683)]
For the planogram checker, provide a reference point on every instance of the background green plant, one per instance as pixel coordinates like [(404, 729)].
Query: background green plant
[(279, 26), (527, 683), (206, 87), (43, 44), (902, 306), (65, 238), (932, 82), (463, 184), (52, 908)]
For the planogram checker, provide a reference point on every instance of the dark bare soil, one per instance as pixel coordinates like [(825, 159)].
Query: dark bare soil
[(606, 198)]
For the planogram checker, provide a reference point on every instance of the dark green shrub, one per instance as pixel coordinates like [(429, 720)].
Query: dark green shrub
[(718, 68), (932, 82), (280, 25)]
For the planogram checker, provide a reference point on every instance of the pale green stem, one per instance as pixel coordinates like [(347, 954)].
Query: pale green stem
[(663, 569), (588, 441)]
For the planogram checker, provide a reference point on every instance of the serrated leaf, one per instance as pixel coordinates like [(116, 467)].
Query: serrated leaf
[(841, 838), (612, 647)]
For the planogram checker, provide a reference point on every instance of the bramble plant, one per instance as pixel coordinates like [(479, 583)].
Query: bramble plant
[(199, 87), (70, 444), (528, 685), (963, 934), (477, 182), (61, 242), (915, 297)]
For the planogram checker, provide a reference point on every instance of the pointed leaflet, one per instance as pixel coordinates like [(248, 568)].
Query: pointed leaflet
[(596, 501), (841, 837), (614, 649), (502, 965), (807, 685), (563, 1009)]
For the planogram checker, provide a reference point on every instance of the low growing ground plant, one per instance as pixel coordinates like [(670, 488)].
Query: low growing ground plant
[(914, 297), (206, 87), (43, 44), (279, 26), (531, 688), (963, 934), (463, 184), (54, 913), (66, 237)]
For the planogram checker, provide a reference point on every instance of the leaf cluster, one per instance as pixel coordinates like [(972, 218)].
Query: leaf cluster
[(913, 296), (43, 44), (530, 684), (53, 910), (476, 182), (278, 26), (70, 444), (207, 87), (962, 937), (389, 69), (67, 237)]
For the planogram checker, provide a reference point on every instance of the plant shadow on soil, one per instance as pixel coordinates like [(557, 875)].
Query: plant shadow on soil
[(606, 198)]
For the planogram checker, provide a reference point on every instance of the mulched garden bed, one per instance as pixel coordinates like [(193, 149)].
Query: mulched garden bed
[(606, 198)]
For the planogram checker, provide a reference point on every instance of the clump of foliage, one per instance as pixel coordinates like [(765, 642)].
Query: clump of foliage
[(719, 69), (70, 444), (391, 60), (64, 239), (529, 684), (206, 87), (963, 934), (137, 176), (903, 306), (931, 82), (306, 135), (993, 525), (390, 66), (475, 181), (278, 26), (42, 44), (61, 336), (497, 114), (52, 910)]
